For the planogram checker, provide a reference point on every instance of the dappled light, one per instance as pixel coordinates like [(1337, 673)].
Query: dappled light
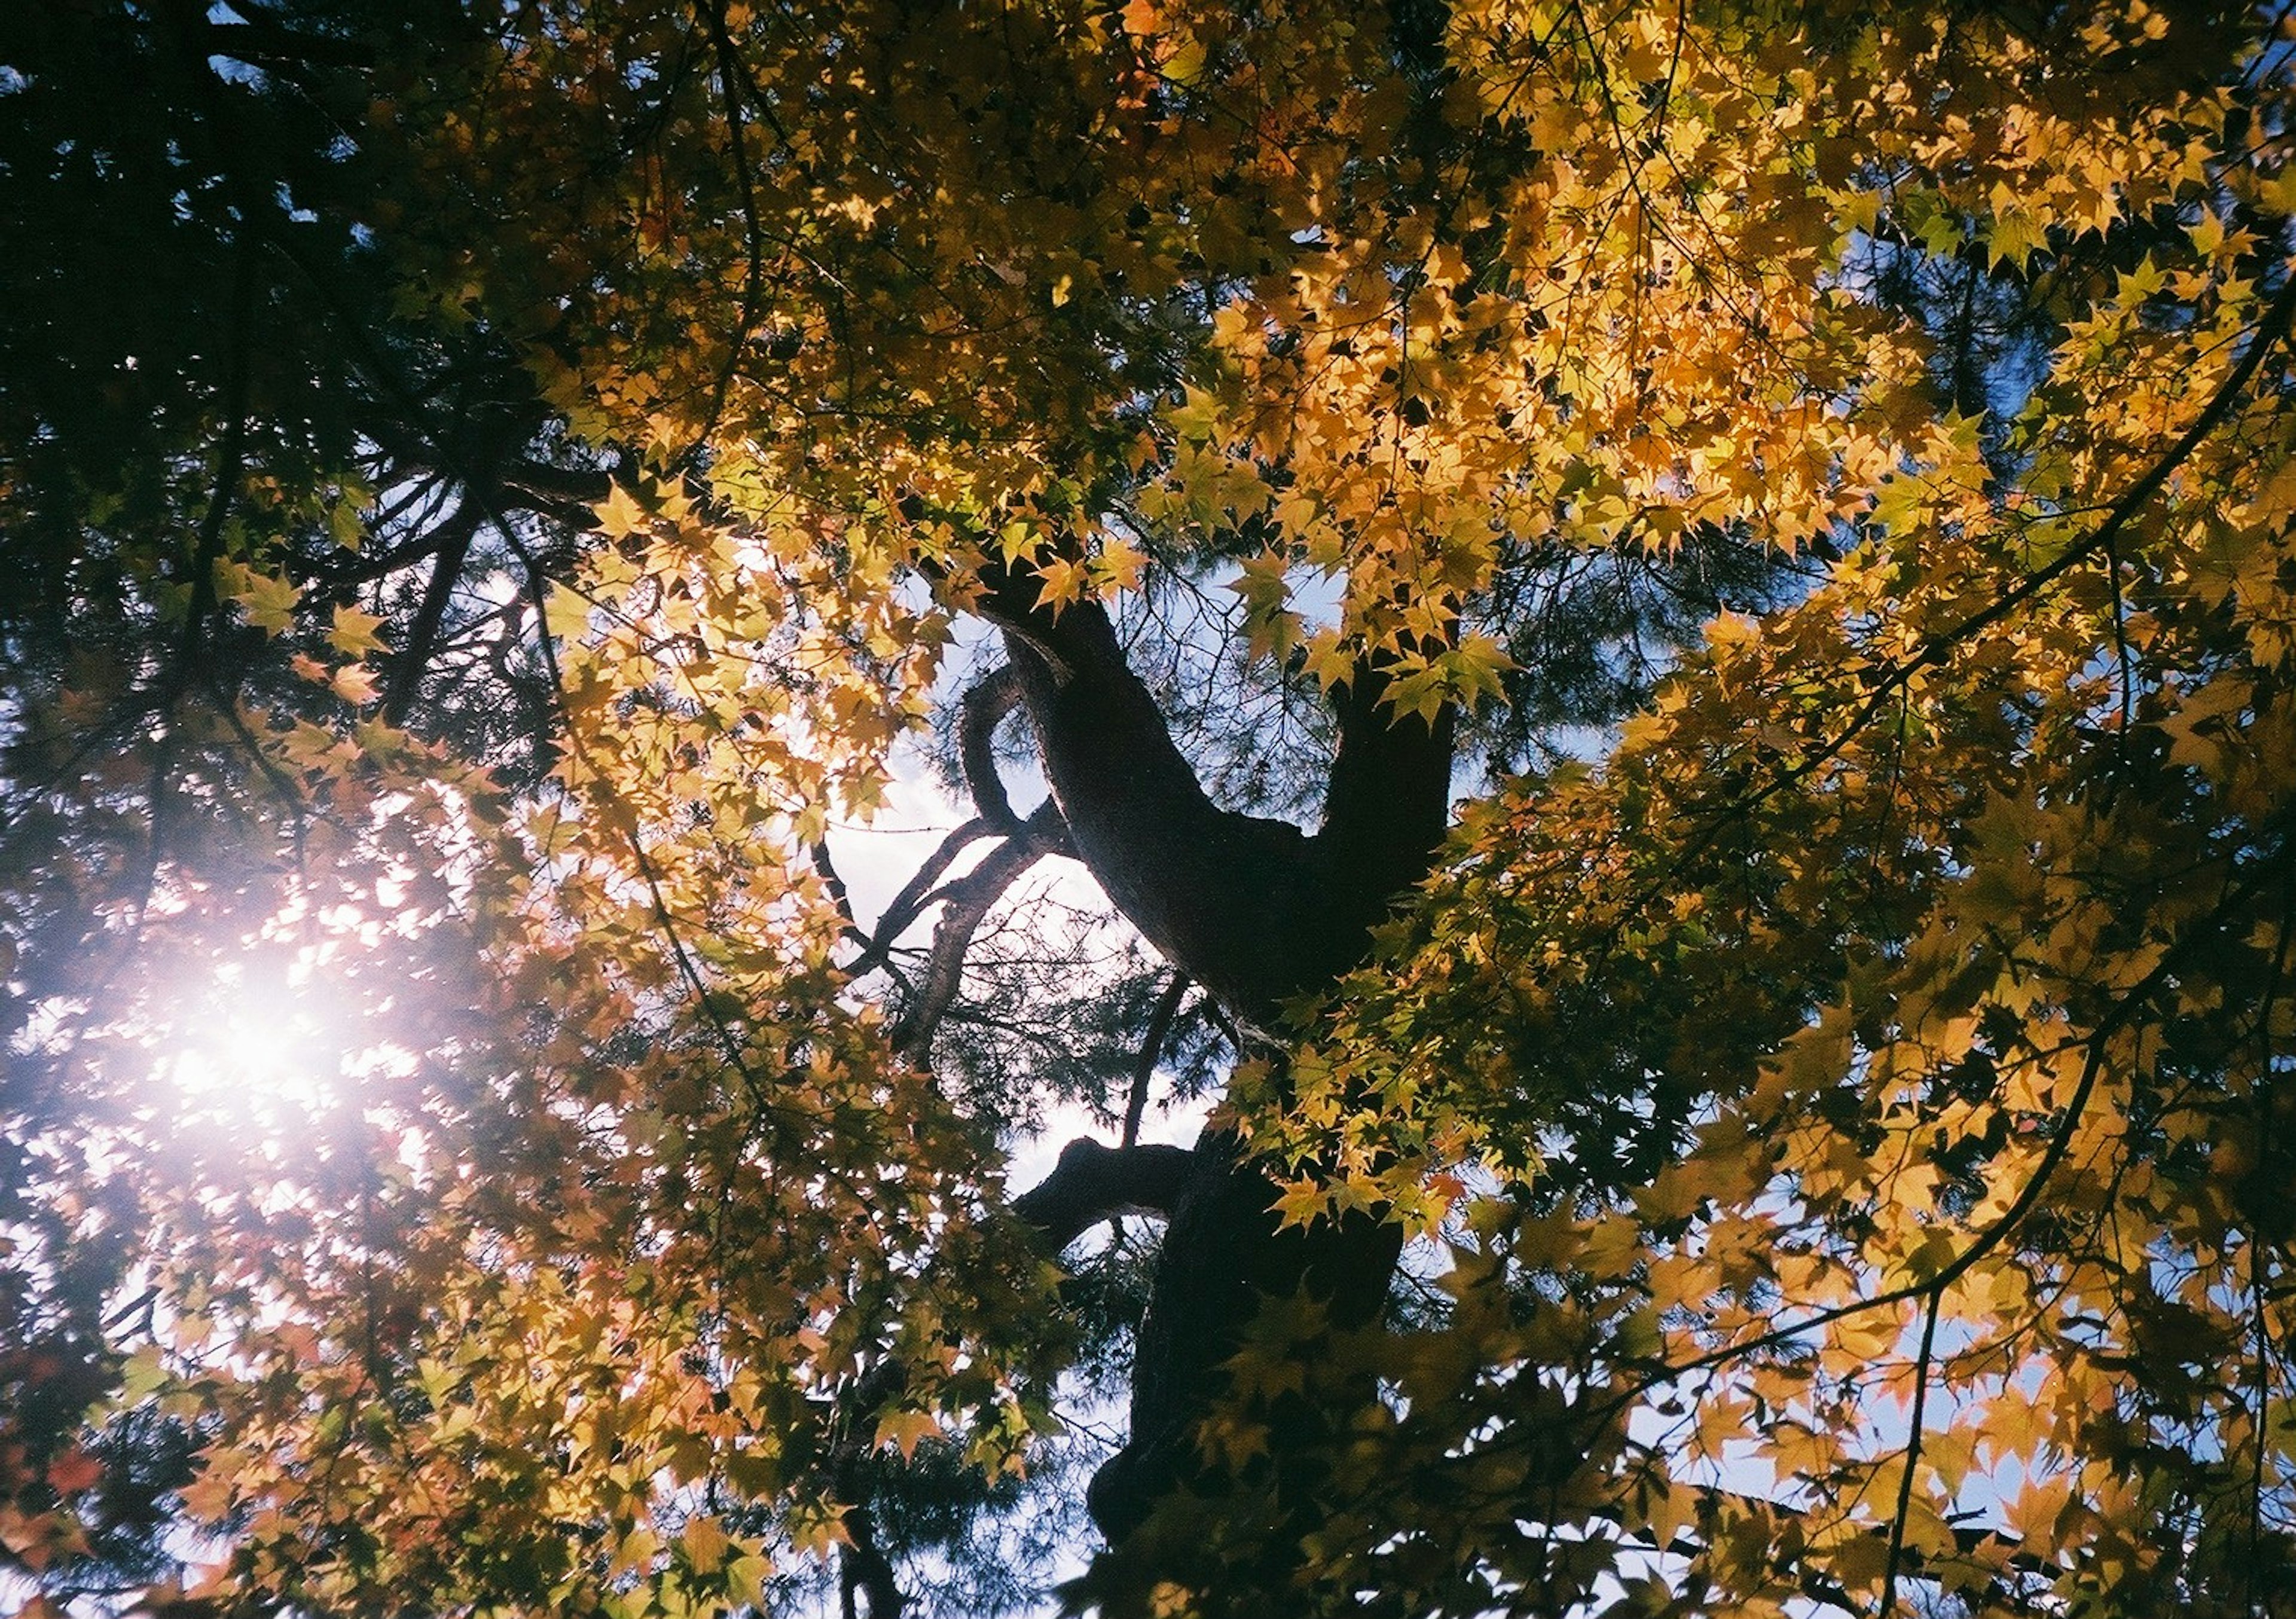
[(1132, 807)]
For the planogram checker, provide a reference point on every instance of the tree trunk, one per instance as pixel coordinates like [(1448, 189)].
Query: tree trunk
[(1257, 913)]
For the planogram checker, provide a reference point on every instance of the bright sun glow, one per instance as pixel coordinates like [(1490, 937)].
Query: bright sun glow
[(276, 1043)]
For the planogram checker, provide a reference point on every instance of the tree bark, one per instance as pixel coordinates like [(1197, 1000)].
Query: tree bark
[(1254, 910), (1257, 913), (1093, 1182)]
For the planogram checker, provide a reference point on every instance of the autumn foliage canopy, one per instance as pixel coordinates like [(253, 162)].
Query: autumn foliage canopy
[(1663, 637)]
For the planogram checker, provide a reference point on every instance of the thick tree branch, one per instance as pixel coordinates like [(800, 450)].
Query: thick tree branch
[(966, 903), (451, 545), (1223, 1257), (981, 710), (865, 1570), (562, 495), (1251, 908), (261, 42), (919, 892), (1093, 1182), (1256, 912), (825, 867), (1390, 796)]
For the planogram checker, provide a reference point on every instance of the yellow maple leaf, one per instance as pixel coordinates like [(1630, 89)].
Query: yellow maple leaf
[(1118, 565), (354, 632), (268, 600), (1061, 581), (705, 1544), (906, 1429), (355, 685), (619, 514)]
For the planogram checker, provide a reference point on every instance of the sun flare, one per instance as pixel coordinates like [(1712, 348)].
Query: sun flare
[(262, 1043)]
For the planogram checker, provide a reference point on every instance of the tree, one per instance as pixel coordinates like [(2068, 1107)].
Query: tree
[(470, 1153)]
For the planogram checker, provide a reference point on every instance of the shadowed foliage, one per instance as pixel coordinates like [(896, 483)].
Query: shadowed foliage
[(1604, 697)]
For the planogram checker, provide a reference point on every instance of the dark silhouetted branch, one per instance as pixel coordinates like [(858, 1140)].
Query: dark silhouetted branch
[(1251, 907), (965, 905), (981, 711), (919, 892), (1093, 1182), (451, 544), (1152, 1047)]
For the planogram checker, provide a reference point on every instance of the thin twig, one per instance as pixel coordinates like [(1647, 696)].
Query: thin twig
[(1888, 1605), (1152, 1047)]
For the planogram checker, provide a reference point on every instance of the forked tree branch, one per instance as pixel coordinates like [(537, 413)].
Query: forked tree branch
[(966, 903), (978, 713), (1251, 908), (916, 895), (1093, 1181)]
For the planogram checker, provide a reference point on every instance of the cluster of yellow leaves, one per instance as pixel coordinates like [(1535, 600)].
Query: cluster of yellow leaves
[(1919, 967), (520, 1209), (1916, 957), (1918, 962), (526, 1286)]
